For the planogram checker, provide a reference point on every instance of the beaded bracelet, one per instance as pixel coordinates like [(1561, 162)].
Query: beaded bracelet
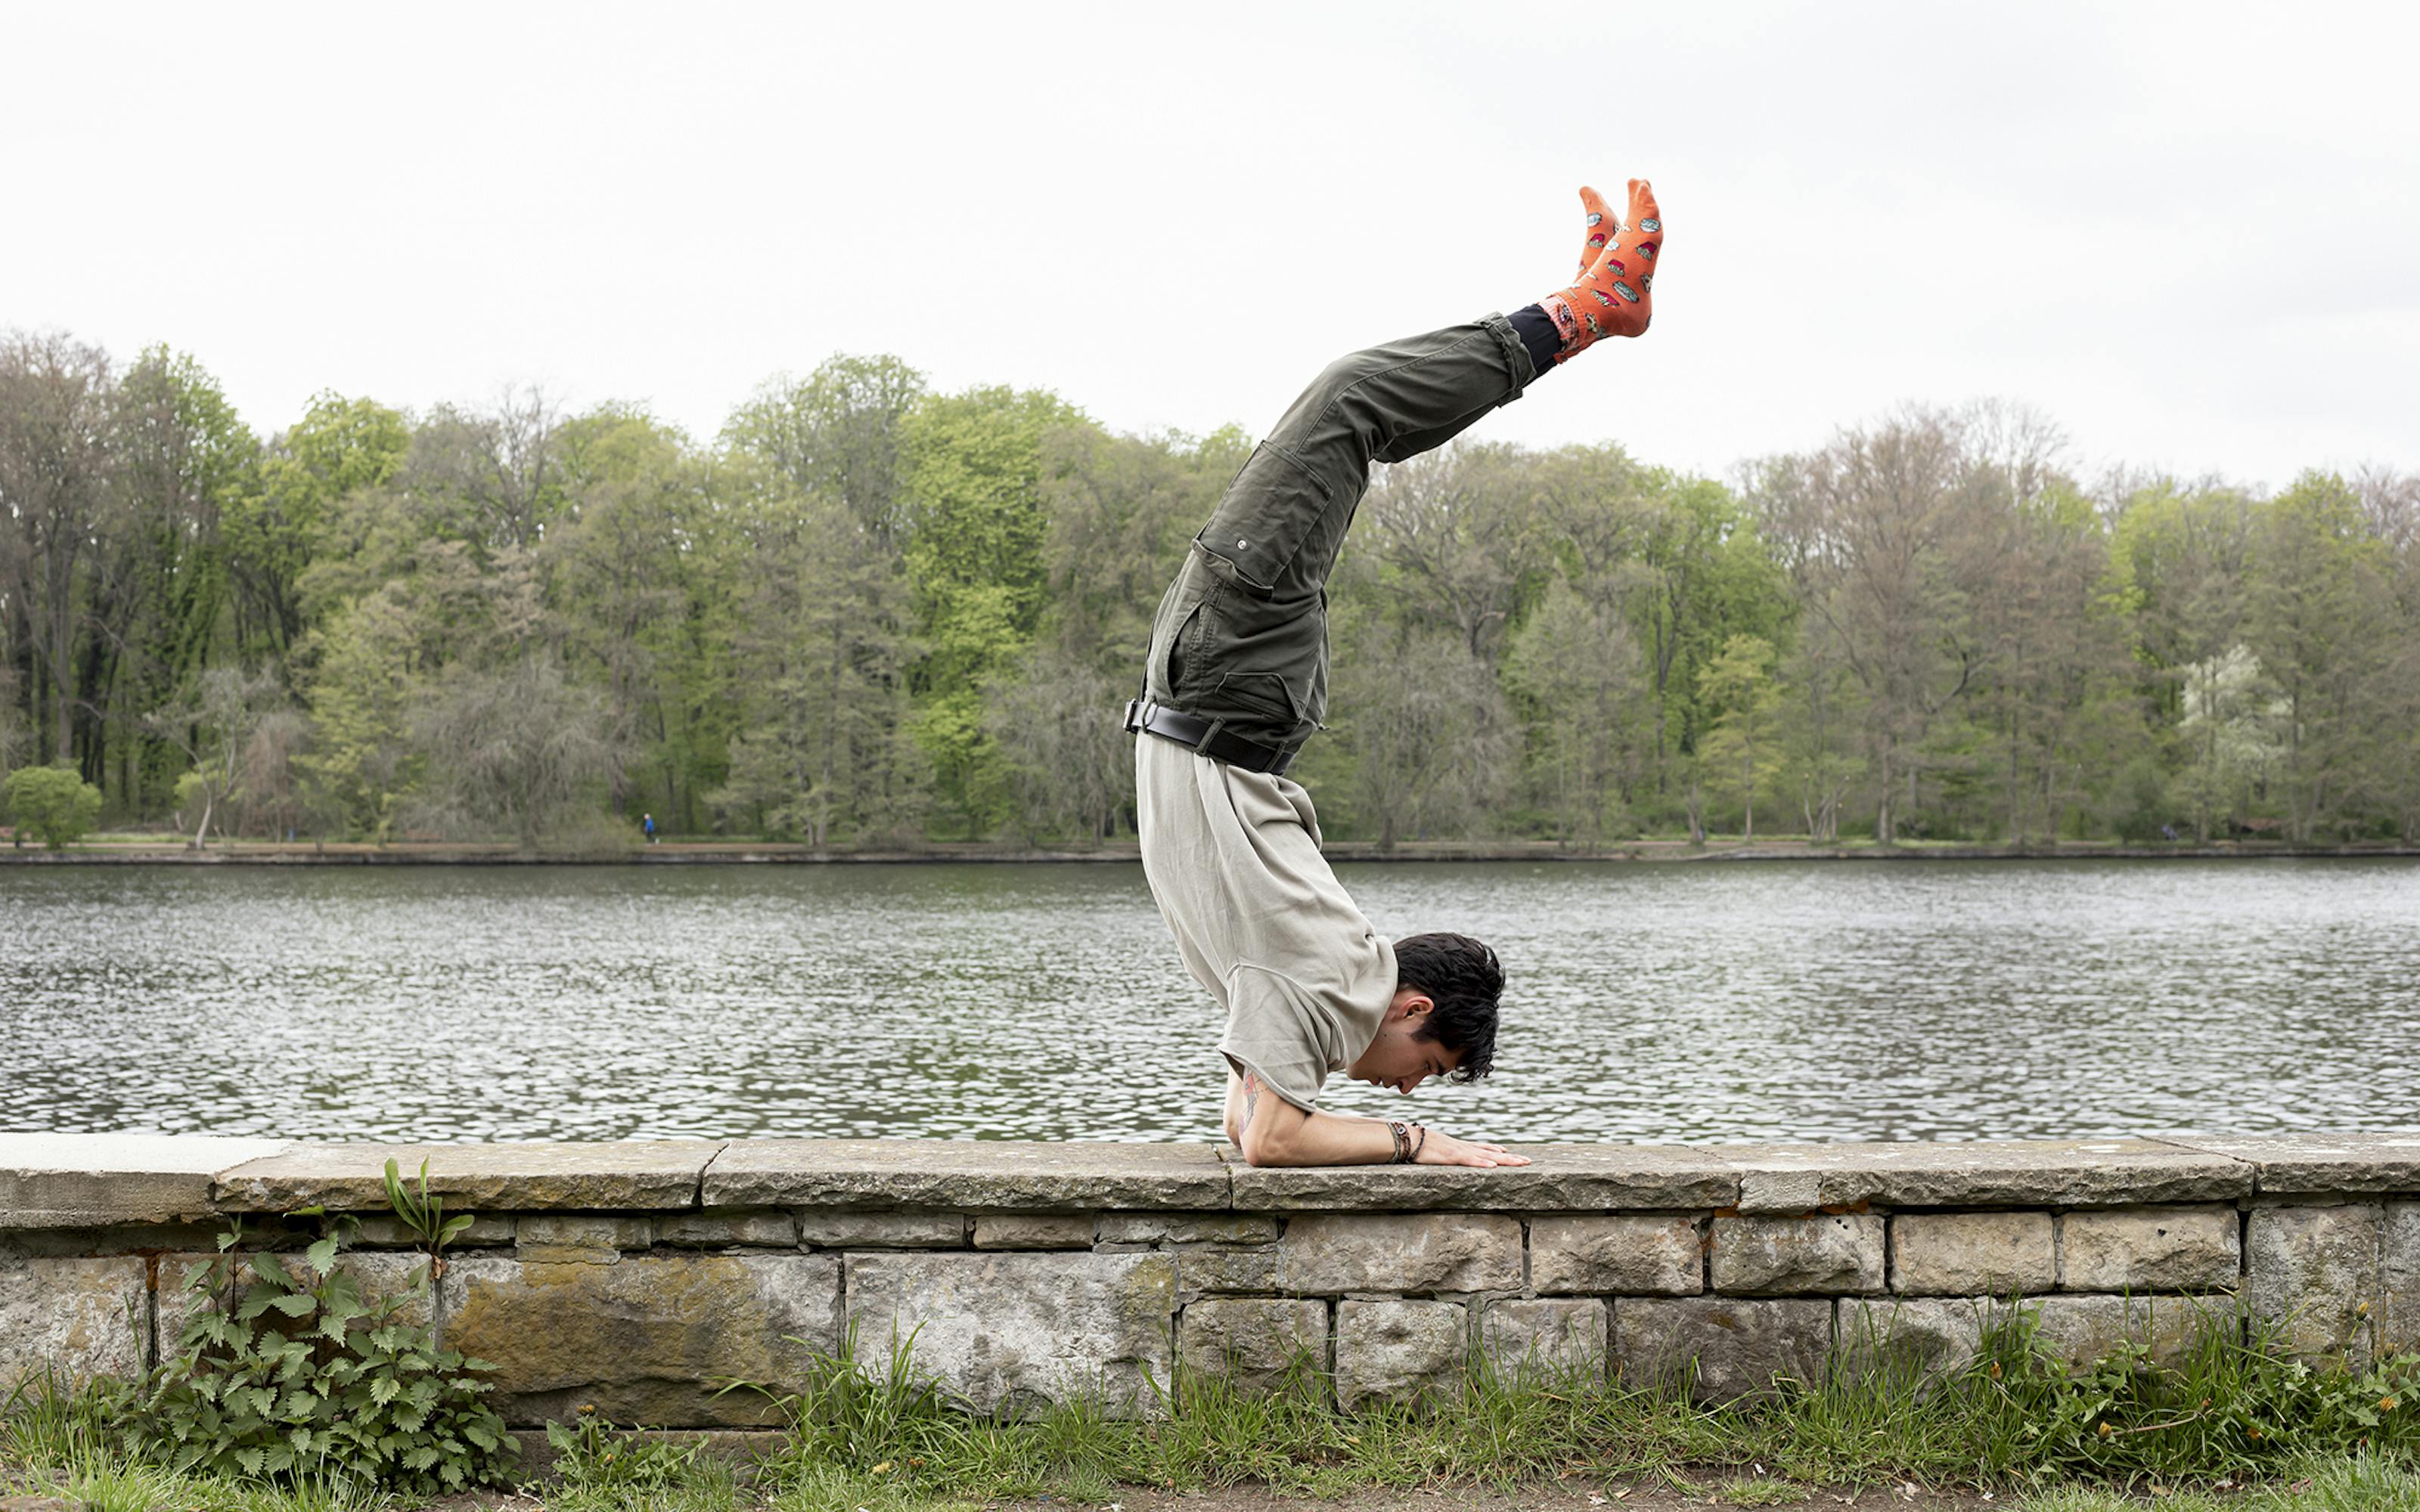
[(1403, 1143)]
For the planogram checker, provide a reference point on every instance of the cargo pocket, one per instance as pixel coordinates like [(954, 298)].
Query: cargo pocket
[(1266, 694), (1261, 521)]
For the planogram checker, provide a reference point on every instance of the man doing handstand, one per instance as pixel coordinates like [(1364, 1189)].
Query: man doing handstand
[(1236, 682)]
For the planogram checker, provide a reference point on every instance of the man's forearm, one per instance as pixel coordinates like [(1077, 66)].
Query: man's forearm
[(1274, 1132)]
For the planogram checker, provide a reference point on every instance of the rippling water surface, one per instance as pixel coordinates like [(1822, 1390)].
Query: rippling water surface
[(1912, 1001)]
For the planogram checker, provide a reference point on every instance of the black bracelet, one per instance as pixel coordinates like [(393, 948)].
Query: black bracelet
[(1421, 1144)]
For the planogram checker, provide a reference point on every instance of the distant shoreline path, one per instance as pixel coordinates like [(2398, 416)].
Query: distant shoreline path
[(769, 854)]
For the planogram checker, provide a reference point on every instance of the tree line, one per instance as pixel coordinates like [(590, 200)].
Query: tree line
[(868, 614)]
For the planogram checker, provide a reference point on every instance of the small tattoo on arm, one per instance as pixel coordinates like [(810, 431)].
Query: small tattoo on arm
[(1251, 1100)]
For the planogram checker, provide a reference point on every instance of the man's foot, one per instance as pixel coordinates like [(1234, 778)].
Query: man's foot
[(1613, 296)]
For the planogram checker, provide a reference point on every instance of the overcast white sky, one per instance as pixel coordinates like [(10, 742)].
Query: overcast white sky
[(2187, 232)]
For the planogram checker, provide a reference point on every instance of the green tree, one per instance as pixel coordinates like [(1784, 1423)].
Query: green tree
[(2232, 733), (1580, 682), (837, 434), (975, 573), (1742, 705), (54, 802), (272, 529)]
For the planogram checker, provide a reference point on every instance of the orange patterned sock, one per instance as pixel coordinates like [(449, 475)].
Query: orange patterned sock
[(1617, 273)]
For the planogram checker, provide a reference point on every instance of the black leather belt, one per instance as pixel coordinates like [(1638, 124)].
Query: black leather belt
[(1208, 737)]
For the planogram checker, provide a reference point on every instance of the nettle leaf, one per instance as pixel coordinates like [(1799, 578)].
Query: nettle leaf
[(295, 1303), (322, 1255), (250, 1459), (270, 1269), (385, 1389), (420, 1457)]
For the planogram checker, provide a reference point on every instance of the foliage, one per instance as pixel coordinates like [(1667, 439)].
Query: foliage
[(592, 1456), (58, 806), (866, 613), (302, 1373)]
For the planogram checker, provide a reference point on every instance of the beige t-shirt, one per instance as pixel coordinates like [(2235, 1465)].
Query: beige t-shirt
[(1260, 920)]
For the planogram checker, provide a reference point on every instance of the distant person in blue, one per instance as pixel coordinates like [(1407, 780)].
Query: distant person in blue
[(648, 822)]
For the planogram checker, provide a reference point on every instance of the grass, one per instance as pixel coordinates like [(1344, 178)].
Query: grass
[(2230, 1414)]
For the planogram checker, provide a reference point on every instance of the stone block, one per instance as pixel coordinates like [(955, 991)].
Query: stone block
[(1253, 1340), (1399, 1352), (384, 1230), (85, 1315), (599, 1176), (645, 1340), (2150, 1249), (828, 1229), (1926, 1339), (1560, 1179), (1737, 1346), (2306, 1165), (1964, 1254), (1189, 1228), (581, 1236), (1214, 1267), (375, 1274), (1986, 1173), (1054, 1176), (93, 1180), (1832, 1254), (1548, 1337), (1012, 1330), (2316, 1271), (1418, 1252), (757, 1227), (1034, 1230), (1634, 1254), (2080, 1330), (2398, 1320)]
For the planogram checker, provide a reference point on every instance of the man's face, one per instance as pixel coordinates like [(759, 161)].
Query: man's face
[(1398, 1058)]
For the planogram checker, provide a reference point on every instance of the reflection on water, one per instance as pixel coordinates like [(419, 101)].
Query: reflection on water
[(1789, 1000)]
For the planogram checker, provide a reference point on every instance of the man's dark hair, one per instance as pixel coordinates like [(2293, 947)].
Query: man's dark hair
[(1463, 978)]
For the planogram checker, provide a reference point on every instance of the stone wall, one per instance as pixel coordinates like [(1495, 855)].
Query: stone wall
[(641, 1275)]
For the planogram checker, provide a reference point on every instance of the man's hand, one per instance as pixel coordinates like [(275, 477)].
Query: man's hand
[(1445, 1149)]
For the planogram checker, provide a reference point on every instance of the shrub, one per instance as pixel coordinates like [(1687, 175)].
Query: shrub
[(54, 802)]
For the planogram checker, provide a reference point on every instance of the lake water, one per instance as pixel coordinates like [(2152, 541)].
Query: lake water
[(1908, 1000)]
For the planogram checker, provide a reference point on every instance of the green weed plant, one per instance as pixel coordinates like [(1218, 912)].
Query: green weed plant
[(298, 1372)]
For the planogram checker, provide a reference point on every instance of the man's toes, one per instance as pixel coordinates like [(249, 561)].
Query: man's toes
[(1643, 208)]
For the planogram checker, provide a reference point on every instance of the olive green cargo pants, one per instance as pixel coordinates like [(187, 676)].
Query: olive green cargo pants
[(1241, 636)]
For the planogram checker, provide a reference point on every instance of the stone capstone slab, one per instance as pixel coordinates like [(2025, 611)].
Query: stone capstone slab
[(649, 1339), (1400, 1351), (375, 1274), (93, 1180), (1545, 1336), (753, 1228), (1639, 1254), (1189, 1228), (2150, 1249), (2079, 1331), (1253, 1341), (1731, 1347), (1560, 1178), (2307, 1164), (883, 1230), (1416, 1252), (1008, 1330), (1833, 1254), (1034, 1230), (1922, 1339), (1970, 1254), (82, 1316), (607, 1175), (964, 1173), (1986, 1173), (2315, 1272)]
